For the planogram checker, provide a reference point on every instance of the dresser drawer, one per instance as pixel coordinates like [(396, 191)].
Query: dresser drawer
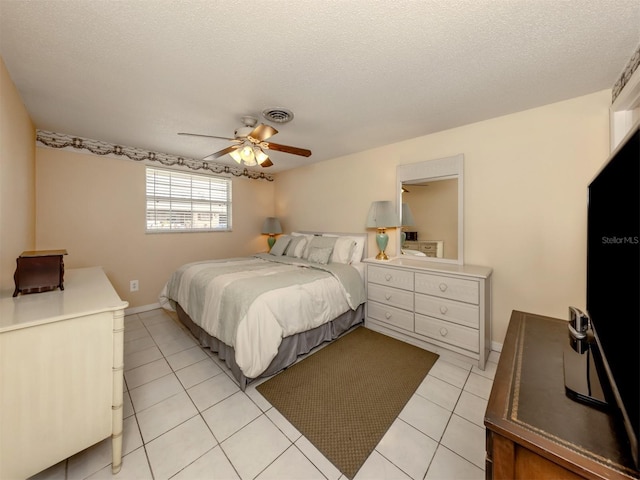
[(391, 277), (448, 287), (391, 315), (428, 247), (390, 296), (448, 310), (447, 332)]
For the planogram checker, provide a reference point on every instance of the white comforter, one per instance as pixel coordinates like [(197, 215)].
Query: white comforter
[(255, 325)]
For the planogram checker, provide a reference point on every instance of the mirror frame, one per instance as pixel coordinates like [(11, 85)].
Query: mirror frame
[(433, 170)]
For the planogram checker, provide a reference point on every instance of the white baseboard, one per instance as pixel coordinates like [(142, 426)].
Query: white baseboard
[(143, 308), (496, 347)]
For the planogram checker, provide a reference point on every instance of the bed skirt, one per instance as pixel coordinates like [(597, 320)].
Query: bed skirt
[(290, 348)]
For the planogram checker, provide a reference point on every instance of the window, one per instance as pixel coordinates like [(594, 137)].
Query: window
[(187, 202)]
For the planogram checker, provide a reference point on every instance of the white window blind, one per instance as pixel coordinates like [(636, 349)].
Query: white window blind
[(182, 201)]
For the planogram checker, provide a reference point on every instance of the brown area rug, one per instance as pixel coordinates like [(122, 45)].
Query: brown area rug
[(344, 397)]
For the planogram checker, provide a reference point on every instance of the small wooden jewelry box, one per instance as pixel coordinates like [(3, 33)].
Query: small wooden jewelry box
[(39, 271)]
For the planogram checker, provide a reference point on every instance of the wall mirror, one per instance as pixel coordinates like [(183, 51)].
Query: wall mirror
[(430, 199)]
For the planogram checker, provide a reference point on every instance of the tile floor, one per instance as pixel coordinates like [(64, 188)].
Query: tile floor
[(186, 418)]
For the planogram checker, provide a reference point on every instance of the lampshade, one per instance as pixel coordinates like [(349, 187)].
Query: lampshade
[(260, 155), (271, 226), (235, 154), (247, 155), (382, 215), (407, 216)]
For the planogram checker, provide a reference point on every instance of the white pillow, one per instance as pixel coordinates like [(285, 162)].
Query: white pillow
[(358, 250), (280, 245), (305, 252), (343, 250), (296, 246)]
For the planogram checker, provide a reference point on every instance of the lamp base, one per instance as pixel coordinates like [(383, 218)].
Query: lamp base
[(382, 256), (271, 240), (382, 239)]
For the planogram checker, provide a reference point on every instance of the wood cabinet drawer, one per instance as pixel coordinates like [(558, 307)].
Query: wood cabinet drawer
[(390, 296), (391, 315), (448, 332), (391, 277), (448, 310), (448, 287)]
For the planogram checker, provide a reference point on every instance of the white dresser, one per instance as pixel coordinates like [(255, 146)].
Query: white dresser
[(444, 308), (61, 365)]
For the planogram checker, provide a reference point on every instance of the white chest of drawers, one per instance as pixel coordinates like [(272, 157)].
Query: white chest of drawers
[(61, 384), (444, 308)]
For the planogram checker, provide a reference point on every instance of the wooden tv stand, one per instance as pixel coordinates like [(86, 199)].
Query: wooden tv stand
[(533, 429)]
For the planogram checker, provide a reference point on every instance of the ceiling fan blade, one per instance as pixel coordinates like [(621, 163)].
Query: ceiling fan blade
[(222, 152), (207, 136), (266, 163), (287, 149), (262, 132)]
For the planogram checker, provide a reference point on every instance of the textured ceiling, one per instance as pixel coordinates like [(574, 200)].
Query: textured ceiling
[(356, 73)]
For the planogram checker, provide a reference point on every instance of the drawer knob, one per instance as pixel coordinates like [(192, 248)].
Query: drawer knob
[(387, 296), (443, 310), (387, 315), (443, 287), (444, 331), (387, 277)]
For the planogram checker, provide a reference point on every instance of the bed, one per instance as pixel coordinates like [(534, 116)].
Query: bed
[(259, 313)]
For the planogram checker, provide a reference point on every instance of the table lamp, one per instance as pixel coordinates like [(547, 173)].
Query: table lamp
[(382, 216), (271, 227)]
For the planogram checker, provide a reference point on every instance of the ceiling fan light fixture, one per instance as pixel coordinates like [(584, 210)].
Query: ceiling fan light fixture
[(261, 157), (246, 153), (235, 154), (249, 145)]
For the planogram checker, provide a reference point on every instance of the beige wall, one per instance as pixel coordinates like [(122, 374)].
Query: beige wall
[(95, 208), (17, 179), (525, 203), (525, 198)]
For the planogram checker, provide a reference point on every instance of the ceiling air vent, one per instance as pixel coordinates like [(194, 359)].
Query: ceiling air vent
[(277, 115)]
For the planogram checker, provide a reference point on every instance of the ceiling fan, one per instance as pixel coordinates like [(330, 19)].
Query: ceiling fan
[(249, 144)]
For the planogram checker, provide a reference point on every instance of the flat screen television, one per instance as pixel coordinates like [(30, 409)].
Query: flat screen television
[(613, 276)]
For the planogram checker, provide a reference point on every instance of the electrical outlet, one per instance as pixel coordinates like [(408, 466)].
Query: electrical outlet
[(133, 286)]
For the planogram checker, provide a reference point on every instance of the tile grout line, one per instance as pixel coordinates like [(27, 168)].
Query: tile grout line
[(199, 413)]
